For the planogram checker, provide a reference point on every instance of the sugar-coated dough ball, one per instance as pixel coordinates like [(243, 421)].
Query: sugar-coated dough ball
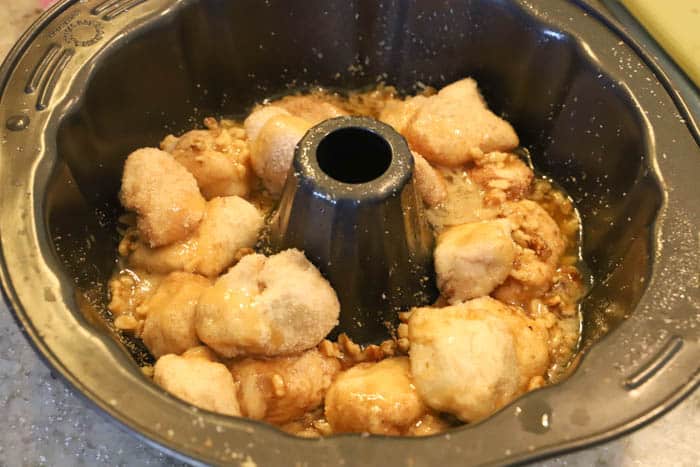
[(539, 245), (163, 194), (199, 381), (273, 150), (230, 224), (377, 398), (267, 306), (398, 113), (455, 126), (273, 134), (218, 158), (471, 260), (429, 182), (311, 108), (258, 118), (502, 176), (282, 389), (169, 324), (473, 358)]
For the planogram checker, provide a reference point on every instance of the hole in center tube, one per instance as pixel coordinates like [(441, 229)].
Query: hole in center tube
[(353, 155)]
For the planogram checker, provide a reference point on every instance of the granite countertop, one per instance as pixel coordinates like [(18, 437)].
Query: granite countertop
[(47, 423)]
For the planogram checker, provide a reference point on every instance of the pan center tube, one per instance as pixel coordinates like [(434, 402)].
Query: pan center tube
[(350, 204), (353, 155)]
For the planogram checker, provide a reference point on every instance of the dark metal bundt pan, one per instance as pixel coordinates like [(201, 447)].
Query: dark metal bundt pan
[(92, 80)]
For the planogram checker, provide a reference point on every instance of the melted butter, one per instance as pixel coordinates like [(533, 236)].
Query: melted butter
[(464, 202)]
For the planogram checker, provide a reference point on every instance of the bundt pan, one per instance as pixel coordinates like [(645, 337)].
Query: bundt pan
[(94, 79)]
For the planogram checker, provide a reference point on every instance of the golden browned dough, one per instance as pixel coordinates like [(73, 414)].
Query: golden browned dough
[(540, 244), (267, 306), (201, 352), (471, 359), (218, 158), (198, 380), (273, 135), (471, 260), (258, 118), (467, 367), (463, 203), (282, 389), (313, 108), (560, 207), (455, 126), (129, 289), (430, 184), (229, 225), (163, 194), (374, 398), (531, 339), (169, 323), (503, 177), (398, 113)]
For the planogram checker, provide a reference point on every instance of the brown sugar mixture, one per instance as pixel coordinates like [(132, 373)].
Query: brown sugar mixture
[(244, 334)]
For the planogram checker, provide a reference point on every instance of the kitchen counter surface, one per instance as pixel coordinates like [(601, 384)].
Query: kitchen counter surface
[(46, 423)]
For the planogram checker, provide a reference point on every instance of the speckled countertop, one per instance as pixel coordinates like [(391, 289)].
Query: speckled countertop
[(44, 422)]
